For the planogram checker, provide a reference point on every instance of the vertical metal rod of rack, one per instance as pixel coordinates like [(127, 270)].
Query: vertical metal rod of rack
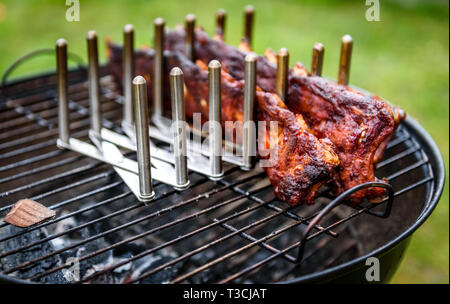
[(94, 86), (221, 17), (249, 13), (345, 60), (179, 127), (282, 73), (215, 118), (249, 136), (63, 110), (317, 59), (128, 73), (158, 79), (142, 138), (189, 44)]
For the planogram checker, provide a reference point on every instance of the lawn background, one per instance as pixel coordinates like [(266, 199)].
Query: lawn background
[(403, 58)]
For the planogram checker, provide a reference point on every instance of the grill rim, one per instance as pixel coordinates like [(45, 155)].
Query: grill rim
[(437, 183)]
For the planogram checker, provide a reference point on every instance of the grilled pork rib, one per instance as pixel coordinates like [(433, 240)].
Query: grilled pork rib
[(304, 162), (195, 80), (358, 125)]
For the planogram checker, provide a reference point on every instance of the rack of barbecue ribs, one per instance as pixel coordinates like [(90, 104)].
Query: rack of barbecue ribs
[(328, 133)]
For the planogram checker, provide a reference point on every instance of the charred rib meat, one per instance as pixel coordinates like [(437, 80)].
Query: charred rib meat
[(357, 125), (304, 162)]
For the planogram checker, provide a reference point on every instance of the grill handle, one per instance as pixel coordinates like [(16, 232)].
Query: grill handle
[(45, 51), (339, 200)]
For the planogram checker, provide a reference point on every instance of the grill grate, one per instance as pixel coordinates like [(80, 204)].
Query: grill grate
[(225, 231)]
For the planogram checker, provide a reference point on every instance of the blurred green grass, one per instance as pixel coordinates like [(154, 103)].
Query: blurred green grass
[(403, 58)]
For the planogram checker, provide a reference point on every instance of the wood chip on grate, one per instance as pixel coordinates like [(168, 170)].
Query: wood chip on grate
[(26, 213)]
